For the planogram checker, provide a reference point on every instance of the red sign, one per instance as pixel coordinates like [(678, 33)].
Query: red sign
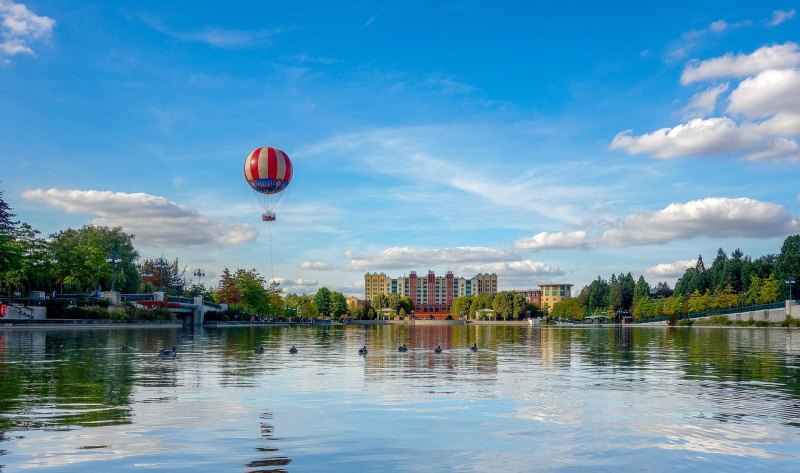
[(3, 310)]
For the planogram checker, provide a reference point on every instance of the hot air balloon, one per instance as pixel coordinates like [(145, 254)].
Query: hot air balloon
[(268, 171)]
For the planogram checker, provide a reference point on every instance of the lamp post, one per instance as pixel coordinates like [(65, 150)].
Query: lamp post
[(790, 280), (199, 273), (113, 259)]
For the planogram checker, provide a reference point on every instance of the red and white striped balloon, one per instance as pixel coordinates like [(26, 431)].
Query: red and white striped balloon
[(268, 170)]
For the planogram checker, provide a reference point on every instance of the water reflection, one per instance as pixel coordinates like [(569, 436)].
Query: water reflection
[(272, 458), (73, 396)]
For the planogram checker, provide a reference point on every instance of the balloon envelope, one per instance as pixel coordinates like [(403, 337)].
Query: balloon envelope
[(268, 170)]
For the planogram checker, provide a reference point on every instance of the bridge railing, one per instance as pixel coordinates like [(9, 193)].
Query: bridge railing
[(137, 297), (181, 300)]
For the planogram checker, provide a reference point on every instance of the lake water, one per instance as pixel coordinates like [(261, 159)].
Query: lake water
[(550, 399)]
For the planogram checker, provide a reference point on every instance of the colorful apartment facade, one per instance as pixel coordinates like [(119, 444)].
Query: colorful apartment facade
[(431, 294), (552, 293)]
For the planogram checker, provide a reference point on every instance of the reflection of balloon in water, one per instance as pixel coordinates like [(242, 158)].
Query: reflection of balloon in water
[(268, 171)]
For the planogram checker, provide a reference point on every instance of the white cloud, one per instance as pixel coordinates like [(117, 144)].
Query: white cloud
[(19, 26), (514, 269), (781, 149), (779, 16), (406, 257), (294, 285), (217, 37), (555, 240), (317, 266), (703, 103), (697, 137), (713, 216), (154, 220), (691, 39), (671, 270), (768, 93), (779, 56)]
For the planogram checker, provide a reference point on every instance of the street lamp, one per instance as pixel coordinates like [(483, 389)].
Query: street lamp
[(199, 273), (790, 280), (113, 259)]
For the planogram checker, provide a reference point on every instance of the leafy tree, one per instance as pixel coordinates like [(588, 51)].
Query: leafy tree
[(770, 290), (322, 301), (642, 289), (228, 291), (519, 305), (788, 261), (339, 304), (80, 256), (163, 274), (503, 304), (381, 301), (255, 297), (567, 309), (460, 306)]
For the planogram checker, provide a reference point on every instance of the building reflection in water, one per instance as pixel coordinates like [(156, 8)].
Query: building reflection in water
[(271, 461)]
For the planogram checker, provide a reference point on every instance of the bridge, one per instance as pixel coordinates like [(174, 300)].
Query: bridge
[(190, 310)]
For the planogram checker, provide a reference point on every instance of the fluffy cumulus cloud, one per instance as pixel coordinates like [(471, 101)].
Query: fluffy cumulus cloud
[(154, 220), (713, 216), (19, 27), (761, 121), (768, 93), (406, 257), (779, 56), (522, 268), (697, 137), (552, 241), (670, 270), (705, 102)]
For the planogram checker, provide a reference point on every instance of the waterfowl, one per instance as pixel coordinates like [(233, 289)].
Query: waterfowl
[(402, 348), (362, 350), (293, 349), (474, 347), (438, 349), (168, 352), (126, 347), (259, 350)]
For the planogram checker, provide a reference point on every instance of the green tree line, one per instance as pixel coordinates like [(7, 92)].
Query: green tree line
[(731, 281)]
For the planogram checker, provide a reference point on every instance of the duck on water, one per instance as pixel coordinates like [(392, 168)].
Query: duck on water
[(168, 352)]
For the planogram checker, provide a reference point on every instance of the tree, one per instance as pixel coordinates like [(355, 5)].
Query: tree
[(163, 274), (322, 301), (642, 289), (381, 301), (503, 304), (80, 258), (788, 262), (255, 297), (770, 290), (460, 307), (567, 309), (519, 305), (228, 291), (339, 304)]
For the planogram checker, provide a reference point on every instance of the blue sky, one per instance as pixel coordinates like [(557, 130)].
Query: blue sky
[(543, 142)]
